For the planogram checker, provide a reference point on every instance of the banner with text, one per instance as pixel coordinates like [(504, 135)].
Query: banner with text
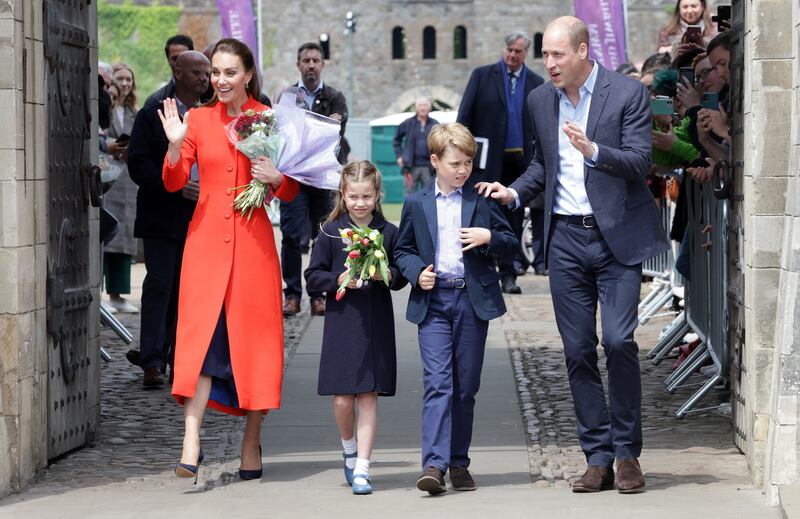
[(238, 22), (606, 22)]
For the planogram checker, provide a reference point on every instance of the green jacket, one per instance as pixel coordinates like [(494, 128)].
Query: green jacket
[(682, 149)]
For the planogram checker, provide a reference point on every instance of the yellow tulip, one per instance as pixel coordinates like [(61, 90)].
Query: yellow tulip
[(373, 235), (379, 254), (372, 270)]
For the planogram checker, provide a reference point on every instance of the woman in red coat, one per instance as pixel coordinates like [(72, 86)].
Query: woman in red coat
[(229, 349)]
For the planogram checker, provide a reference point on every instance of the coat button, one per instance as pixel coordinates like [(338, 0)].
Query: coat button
[(230, 168), (227, 238), (228, 192), (227, 215)]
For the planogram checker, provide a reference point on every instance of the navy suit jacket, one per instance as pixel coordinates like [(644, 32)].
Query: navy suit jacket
[(483, 111), (620, 124), (416, 249)]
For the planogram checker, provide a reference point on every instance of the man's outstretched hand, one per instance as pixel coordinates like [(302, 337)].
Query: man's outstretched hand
[(497, 191)]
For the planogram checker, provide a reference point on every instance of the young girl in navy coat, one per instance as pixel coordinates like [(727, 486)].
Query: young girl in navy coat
[(358, 361)]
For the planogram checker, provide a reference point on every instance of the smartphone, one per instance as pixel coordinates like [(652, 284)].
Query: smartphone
[(123, 138), (688, 73), (723, 14), (693, 34), (662, 106), (710, 101)]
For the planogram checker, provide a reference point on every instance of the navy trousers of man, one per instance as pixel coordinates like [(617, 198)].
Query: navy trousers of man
[(310, 205), (582, 272), (162, 259), (452, 340)]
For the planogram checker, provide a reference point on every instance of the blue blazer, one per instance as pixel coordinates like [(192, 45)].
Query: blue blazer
[(620, 124), (416, 249)]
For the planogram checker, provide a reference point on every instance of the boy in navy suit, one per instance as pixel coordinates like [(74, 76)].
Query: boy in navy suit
[(448, 242)]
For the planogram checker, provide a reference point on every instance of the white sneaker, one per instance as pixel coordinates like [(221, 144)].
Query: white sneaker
[(110, 309), (122, 305)]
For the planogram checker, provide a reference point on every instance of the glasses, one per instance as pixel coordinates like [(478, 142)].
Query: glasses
[(699, 78)]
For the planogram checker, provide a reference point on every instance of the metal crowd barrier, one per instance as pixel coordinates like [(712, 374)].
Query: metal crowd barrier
[(662, 269), (705, 300)]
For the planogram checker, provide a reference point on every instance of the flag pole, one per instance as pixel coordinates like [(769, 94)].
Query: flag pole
[(260, 36)]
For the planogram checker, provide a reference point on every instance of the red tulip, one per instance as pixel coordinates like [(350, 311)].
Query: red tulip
[(365, 242), (354, 254), (339, 295)]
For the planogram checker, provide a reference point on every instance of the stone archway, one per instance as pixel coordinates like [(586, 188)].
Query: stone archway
[(434, 93)]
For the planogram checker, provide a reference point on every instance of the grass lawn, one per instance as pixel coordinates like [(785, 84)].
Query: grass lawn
[(392, 212)]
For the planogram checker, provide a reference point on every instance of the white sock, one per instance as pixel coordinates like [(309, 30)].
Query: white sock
[(350, 447), (362, 468)]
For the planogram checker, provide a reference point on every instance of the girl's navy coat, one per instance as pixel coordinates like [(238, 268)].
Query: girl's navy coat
[(358, 344)]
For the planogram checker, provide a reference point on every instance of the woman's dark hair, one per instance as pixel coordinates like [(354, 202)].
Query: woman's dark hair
[(656, 62), (103, 104), (673, 26), (237, 48), (685, 59), (722, 39)]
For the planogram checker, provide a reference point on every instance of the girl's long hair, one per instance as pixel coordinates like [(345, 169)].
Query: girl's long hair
[(237, 48), (359, 171), (130, 99), (674, 23)]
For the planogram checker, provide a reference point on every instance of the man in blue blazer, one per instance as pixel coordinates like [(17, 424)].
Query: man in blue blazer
[(493, 107), (592, 151), (448, 240)]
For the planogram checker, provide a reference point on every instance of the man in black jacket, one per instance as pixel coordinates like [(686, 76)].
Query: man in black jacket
[(312, 205), (162, 218), (412, 156), (493, 108), (175, 46)]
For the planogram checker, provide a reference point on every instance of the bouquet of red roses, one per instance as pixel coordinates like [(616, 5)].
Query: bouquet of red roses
[(254, 134), (365, 257)]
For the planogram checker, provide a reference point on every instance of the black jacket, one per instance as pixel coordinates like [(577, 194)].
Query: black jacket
[(409, 129), (483, 111)]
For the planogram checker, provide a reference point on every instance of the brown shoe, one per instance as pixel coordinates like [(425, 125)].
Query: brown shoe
[(462, 479), (630, 479), (291, 307), (595, 479), (432, 481), (317, 306), (152, 378)]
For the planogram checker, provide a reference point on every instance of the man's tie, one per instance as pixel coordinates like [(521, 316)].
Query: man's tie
[(513, 79)]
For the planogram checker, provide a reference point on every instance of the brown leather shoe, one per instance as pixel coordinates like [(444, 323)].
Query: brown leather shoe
[(291, 307), (317, 306), (462, 479), (630, 479), (152, 378), (595, 479), (432, 481)]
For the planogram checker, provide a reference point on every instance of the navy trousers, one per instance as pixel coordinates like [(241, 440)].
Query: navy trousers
[(310, 205), (162, 259), (537, 238), (583, 272), (452, 340)]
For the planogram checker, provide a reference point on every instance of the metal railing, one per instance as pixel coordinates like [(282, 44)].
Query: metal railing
[(662, 269)]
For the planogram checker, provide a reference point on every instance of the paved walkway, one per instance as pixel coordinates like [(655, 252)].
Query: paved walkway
[(523, 449)]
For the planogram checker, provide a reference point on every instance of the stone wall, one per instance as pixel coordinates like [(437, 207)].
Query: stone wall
[(772, 241), (23, 249)]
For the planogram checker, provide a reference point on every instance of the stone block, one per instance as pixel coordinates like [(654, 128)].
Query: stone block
[(35, 71), (40, 254), (6, 31), (7, 446), (9, 393), (40, 426), (11, 164), (27, 404), (26, 349), (773, 116), (787, 410), (40, 343), (9, 345), (9, 296), (26, 283), (761, 292), (766, 195), (761, 423), (784, 459), (37, 155), (770, 74), (33, 19), (17, 199), (766, 242), (12, 115), (40, 213), (772, 35), (8, 61)]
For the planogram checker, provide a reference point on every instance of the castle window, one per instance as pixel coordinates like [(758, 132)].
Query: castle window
[(460, 42), (429, 43), (398, 43)]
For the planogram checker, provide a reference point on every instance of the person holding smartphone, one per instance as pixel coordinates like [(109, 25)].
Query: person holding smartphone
[(690, 25)]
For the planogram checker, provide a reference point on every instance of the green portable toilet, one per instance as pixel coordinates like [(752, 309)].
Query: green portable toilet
[(383, 131)]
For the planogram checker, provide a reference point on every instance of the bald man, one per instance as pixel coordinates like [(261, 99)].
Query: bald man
[(162, 218), (592, 153), (411, 146)]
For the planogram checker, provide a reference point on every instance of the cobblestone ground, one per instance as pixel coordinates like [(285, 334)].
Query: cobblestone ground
[(141, 430), (546, 402)]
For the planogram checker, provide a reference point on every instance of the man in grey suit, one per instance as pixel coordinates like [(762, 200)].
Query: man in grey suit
[(592, 152)]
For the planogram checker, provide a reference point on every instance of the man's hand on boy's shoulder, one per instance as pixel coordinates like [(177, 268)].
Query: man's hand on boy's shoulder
[(497, 191), (427, 278), (473, 237)]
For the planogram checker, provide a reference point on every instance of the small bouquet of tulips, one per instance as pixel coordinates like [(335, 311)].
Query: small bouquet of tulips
[(365, 257)]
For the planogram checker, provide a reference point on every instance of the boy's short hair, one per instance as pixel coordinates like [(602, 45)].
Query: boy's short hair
[(448, 135)]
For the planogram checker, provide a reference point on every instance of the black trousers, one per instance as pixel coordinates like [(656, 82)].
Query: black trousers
[(159, 316), (311, 205)]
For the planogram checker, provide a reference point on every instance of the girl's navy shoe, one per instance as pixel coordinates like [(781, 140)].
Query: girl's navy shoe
[(184, 470), (348, 473), (361, 485)]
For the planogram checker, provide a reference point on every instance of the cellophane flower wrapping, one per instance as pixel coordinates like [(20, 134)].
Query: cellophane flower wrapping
[(366, 256)]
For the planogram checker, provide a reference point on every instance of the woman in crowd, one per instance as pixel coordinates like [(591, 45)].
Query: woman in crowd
[(687, 12), (120, 200), (229, 345)]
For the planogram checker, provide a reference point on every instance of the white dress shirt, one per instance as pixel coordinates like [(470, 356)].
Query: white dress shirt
[(449, 258)]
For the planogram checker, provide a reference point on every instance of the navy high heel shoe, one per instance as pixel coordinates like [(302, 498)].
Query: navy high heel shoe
[(184, 470), (251, 474)]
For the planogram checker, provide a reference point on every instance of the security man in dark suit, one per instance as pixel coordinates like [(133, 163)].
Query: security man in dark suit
[(493, 107), (311, 205)]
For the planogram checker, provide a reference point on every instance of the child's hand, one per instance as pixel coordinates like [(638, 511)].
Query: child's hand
[(377, 277), (474, 237), (342, 276), (427, 278)]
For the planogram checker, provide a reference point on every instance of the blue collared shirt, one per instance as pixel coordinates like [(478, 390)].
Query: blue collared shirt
[(449, 257), (309, 96)]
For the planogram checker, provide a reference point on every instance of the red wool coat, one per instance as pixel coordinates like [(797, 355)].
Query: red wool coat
[(227, 260)]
